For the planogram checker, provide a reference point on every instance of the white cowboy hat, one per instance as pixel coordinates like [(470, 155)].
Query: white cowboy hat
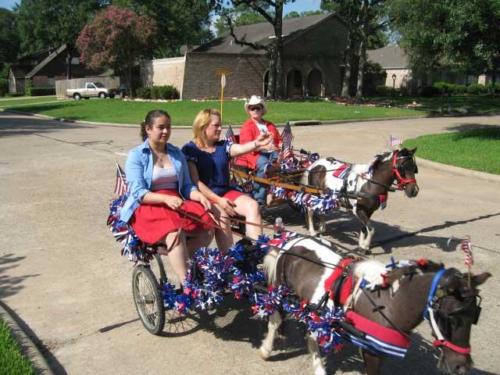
[(256, 100)]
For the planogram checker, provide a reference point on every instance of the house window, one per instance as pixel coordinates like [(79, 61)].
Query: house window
[(75, 61)]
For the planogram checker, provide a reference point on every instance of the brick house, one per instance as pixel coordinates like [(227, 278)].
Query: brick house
[(43, 68), (399, 74), (313, 48)]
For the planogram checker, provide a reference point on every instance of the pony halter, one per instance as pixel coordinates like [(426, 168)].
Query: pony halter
[(432, 299), (402, 181)]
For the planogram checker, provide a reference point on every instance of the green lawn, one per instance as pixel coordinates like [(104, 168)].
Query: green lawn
[(465, 105), (25, 100), (477, 149), (12, 362), (183, 112)]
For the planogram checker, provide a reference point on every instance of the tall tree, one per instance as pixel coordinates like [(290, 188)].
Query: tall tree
[(9, 42), (464, 34), (52, 23), (117, 38), (239, 17), (366, 23), (272, 11), (179, 22)]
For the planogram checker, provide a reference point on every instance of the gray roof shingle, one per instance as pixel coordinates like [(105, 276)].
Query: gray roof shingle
[(389, 57), (260, 33)]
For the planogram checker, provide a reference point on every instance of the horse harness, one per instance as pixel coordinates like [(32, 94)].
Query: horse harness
[(432, 314)]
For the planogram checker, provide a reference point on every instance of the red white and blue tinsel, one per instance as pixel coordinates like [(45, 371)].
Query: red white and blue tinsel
[(321, 323), (132, 246), (318, 203)]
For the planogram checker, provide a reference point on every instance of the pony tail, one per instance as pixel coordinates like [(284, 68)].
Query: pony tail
[(270, 263)]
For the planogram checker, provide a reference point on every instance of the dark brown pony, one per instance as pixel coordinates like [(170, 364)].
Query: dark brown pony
[(390, 171), (406, 294)]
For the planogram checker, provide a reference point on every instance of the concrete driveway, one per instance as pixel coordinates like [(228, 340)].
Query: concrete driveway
[(62, 274)]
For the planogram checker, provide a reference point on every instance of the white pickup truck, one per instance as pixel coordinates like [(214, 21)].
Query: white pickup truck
[(91, 89)]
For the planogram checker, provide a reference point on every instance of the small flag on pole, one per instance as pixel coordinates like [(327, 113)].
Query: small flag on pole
[(121, 181), (394, 142), (466, 247), (230, 135), (287, 137)]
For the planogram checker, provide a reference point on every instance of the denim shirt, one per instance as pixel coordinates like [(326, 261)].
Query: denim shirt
[(139, 173)]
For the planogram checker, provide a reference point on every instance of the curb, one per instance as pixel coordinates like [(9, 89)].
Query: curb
[(458, 171), (236, 126), (28, 347)]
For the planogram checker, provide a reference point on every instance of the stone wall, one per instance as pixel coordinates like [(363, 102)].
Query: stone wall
[(161, 72)]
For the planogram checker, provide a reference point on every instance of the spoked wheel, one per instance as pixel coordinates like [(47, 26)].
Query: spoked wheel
[(148, 299)]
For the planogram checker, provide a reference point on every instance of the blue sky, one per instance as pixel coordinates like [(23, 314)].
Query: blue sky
[(298, 5)]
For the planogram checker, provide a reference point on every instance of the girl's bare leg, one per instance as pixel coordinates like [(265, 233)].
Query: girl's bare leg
[(249, 208), (176, 241), (198, 238)]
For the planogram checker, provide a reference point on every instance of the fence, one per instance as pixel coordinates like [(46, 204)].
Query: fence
[(76, 83)]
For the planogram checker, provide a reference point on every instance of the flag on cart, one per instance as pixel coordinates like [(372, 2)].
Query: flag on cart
[(287, 137), (286, 142), (466, 247), (394, 142), (230, 135), (121, 181)]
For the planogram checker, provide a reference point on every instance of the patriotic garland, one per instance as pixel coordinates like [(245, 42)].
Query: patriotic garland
[(318, 203), (132, 246)]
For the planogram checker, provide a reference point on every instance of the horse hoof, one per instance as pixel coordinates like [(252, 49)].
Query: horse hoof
[(264, 354)]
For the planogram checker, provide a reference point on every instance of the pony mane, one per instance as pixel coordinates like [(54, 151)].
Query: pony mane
[(413, 267), (379, 159)]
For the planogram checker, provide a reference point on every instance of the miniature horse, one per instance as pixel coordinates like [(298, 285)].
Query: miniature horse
[(405, 293), (371, 191)]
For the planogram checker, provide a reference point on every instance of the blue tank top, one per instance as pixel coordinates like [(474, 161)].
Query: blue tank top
[(213, 167)]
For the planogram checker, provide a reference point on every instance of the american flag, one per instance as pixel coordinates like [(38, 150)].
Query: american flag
[(230, 135), (466, 247), (287, 137), (394, 141), (121, 181)]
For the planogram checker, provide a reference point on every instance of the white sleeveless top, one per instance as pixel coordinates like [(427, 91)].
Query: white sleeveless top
[(164, 178)]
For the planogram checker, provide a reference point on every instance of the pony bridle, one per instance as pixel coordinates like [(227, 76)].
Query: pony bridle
[(432, 307), (401, 181)]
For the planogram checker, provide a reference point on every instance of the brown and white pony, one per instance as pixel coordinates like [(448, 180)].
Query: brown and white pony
[(370, 185), (407, 292)]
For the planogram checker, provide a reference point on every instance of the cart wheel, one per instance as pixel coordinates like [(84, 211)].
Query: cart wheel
[(148, 300)]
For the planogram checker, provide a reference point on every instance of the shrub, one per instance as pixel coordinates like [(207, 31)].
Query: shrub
[(4, 86), (27, 87), (476, 89), (493, 88), (40, 91), (459, 89), (167, 92), (428, 91), (446, 88), (158, 92), (383, 90), (143, 92)]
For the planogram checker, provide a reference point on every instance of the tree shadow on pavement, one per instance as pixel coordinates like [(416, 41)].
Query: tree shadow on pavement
[(345, 228), (24, 126), (10, 285)]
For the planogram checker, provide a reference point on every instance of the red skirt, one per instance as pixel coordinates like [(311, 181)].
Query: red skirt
[(152, 222), (232, 195)]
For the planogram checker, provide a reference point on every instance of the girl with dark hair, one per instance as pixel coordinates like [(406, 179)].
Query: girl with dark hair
[(159, 188)]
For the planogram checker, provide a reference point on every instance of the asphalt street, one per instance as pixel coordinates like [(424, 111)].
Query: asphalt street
[(62, 274)]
